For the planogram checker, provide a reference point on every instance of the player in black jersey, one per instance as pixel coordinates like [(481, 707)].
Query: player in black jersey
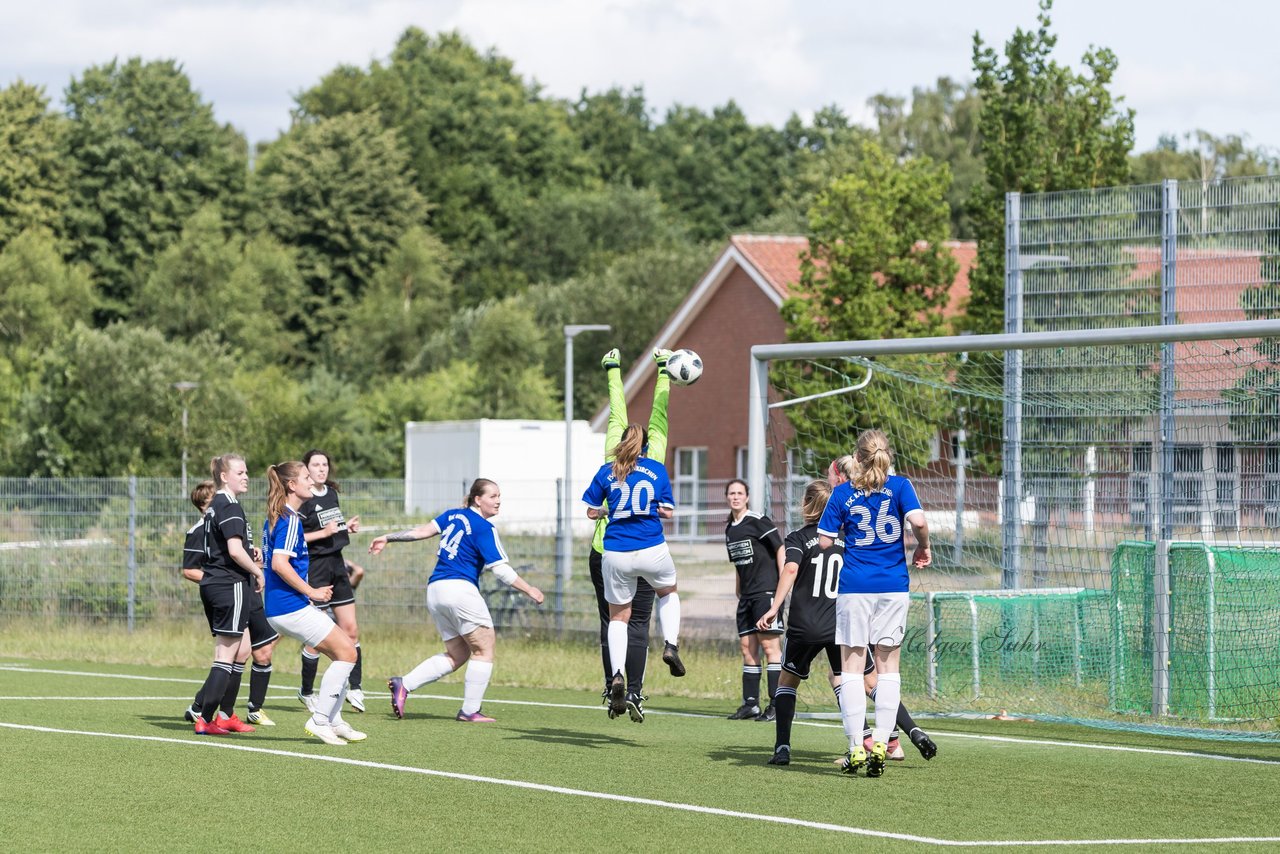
[(327, 531), (809, 575), (262, 638), (232, 574), (755, 549)]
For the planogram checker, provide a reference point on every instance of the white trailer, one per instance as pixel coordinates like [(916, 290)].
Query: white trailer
[(525, 458)]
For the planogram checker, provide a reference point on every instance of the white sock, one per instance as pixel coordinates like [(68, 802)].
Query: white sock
[(474, 684), (617, 647), (669, 618), (430, 670), (853, 713), (333, 690), (888, 696)]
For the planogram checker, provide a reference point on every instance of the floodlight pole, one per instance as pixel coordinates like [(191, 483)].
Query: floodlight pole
[(571, 331)]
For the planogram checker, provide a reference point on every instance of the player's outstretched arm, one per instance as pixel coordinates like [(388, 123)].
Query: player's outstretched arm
[(612, 364), (786, 580), (658, 414), (421, 532)]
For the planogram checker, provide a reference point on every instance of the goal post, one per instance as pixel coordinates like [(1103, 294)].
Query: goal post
[(1055, 455)]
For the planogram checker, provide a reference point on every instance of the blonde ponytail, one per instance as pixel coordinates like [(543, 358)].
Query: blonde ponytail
[(874, 459)]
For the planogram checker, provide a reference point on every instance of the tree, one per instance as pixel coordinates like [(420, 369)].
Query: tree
[(145, 153), (615, 129), (33, 173), (104, 405), (718, 171), (823, 150), (41, 296), (509, 345), (340, 192), (243, 294), (877, 267), (405, 303), (482, 143), (1200, 156), (1043, 127), (942, 124)]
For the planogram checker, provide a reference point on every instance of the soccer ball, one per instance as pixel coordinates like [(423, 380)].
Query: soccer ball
[(684, 367)]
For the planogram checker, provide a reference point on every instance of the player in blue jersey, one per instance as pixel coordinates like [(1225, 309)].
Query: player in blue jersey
[(468, 546), (289, 599), (642, 604), (634, 493), (871, 511), (328, 531)]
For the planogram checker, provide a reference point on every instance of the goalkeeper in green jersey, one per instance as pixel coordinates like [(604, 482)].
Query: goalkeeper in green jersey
[(642, 605)]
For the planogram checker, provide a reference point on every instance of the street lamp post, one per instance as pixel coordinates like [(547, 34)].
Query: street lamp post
[(571, 331), (184, 387)]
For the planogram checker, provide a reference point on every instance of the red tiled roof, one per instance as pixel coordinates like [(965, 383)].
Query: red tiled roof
[(777, 258)]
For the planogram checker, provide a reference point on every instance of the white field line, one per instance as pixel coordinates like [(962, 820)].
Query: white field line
[(945, 734), (670, 805)]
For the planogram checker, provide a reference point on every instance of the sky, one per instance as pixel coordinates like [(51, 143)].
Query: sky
[(1183, 65)]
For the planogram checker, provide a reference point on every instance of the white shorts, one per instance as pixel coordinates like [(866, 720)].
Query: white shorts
[(871, 619), (622, 569), (457, 607), (309, 625)]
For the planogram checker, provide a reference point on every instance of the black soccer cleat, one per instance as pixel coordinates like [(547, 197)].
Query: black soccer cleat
[(635, 707), (781, 756), (671, 656), (617, 696), (748, 711), (923, 743), (769, 714)]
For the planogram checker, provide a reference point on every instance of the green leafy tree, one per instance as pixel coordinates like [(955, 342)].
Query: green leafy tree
[(1201, 156), (33, 171), (41, 296), (483, 142), (821, 151), (615, 129), (877, 267), (340, 192), (212, 281), (406, 302), (941, 123), (145, 153), (509, 346), (717, 171), (1044, 127), (104, 405)]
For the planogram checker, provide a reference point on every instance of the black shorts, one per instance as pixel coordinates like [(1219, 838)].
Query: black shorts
[(797, 655), (260, 631), (751, 609), (331, 569), (226, 606)]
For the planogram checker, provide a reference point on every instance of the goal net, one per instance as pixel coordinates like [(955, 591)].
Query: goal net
[(1103, 507)]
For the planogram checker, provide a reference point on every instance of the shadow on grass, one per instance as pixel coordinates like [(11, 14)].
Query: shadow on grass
[(802, 761), (577, 739)]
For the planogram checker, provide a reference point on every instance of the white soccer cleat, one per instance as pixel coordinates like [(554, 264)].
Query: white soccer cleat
[(342, 729), (259, 718), (308, 700), (356, 698), (324, 732)]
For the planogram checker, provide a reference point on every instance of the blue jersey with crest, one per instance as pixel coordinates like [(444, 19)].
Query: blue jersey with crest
[(284, 538), (468, 545), (872, 527), (632, 505)]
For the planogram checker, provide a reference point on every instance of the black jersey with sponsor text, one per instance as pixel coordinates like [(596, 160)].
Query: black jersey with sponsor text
[(225, 520), (319, 510), (812, 618), (753, 543), (193, 547)]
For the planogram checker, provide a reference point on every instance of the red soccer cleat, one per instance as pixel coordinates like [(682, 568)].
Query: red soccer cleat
[(234, 724), (203, 728)]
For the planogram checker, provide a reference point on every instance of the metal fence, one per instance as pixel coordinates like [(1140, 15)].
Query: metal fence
[(108, 550)]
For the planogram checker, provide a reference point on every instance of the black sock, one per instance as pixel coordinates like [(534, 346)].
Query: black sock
[(310, 664), (750, 684), (784, 703), (259, 679), (198, 703), (353, 681), (905, 723), (215, 685), (774, 671), (229, 697), (637, 658)]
